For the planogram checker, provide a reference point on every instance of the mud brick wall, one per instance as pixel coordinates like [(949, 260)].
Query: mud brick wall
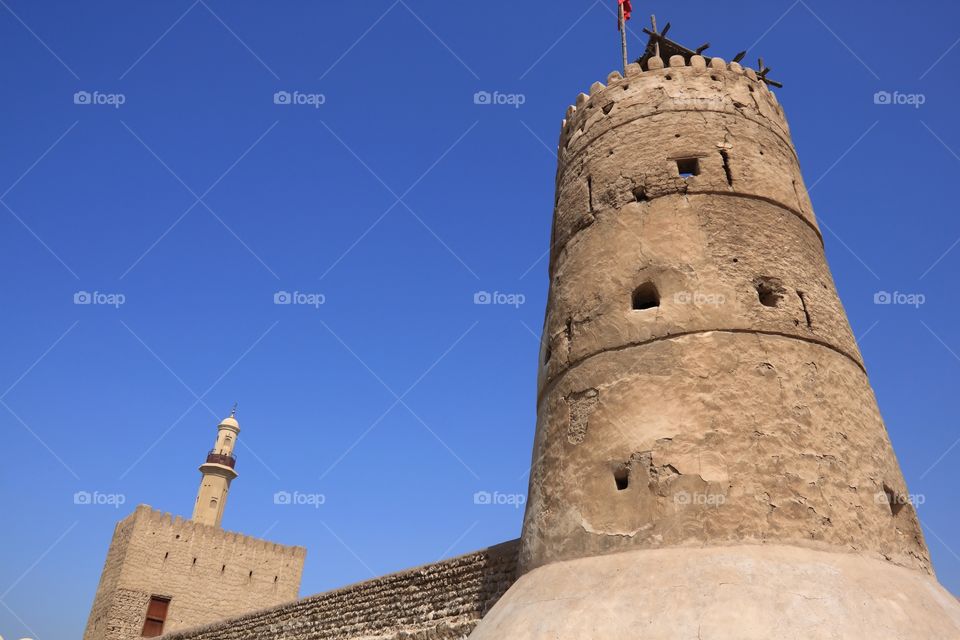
[(442, 601)]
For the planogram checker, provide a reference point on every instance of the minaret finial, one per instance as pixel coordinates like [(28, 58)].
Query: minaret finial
[(233, 412)]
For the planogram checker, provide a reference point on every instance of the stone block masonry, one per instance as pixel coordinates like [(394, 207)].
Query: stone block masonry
[(442, 601), (206, 573)]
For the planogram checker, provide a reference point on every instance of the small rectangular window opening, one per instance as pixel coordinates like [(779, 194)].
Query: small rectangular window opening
[(688, 167), (622, 478), (646, 296), (156, 616)]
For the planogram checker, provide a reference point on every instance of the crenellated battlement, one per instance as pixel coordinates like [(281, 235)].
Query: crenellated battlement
[(716, 86), (165, 524)]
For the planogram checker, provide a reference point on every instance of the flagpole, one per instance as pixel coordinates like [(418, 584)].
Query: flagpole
[(623, 36), (653, 22)]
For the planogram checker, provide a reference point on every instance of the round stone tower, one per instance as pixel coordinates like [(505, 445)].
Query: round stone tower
[(709, 461)]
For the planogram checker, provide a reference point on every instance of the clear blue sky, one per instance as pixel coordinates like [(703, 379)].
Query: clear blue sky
[(397, 199)]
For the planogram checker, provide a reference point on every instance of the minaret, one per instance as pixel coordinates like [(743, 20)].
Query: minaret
[(709, 461), (218, 472)]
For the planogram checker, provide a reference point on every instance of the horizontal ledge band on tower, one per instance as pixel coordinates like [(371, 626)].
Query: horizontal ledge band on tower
[(550, 384), (558, 249), (563, 163)]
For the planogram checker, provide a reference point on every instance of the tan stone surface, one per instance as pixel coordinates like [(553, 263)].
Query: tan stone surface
[(611, 174), (108, 617), (726, 437), (734, 593), (442, 601), (706, 255), (208, 573), (622, 145)]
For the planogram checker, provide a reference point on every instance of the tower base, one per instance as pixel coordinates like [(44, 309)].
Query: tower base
[(723, 593)]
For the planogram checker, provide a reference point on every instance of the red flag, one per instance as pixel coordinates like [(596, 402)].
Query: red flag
[(627, 9)]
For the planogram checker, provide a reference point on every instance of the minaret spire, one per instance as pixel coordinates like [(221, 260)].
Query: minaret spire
[(218, 472)]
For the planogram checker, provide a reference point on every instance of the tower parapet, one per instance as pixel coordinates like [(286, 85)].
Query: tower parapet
[(716, 86)]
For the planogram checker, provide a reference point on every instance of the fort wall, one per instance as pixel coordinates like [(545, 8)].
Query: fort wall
[(441, 601)]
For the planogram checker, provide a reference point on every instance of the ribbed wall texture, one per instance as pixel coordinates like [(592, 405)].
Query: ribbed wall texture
[(442, 601)]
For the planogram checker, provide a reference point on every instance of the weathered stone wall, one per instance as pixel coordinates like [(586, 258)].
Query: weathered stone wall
[(699, 382), (105, 614), (209, 574), (442, 601)]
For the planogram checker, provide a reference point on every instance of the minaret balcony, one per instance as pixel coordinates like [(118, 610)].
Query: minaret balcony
[(226, 459)]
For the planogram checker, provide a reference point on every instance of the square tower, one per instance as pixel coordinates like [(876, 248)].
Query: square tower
[(163, 574)]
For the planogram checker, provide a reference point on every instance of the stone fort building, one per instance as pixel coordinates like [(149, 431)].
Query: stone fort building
[(710, 461), (164, 573)]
